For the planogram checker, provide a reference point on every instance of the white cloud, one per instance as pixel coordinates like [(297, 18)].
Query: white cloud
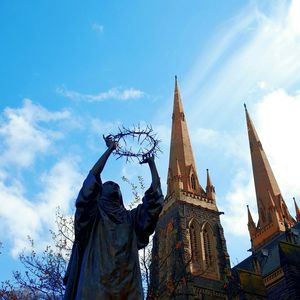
[(278, 124), (60, 184), (294, 20), (241, 193), (17, 215), (26, 134), (254, 58), (22, 136), (21, 217), (222, 142), (113, 93), (253, 48)]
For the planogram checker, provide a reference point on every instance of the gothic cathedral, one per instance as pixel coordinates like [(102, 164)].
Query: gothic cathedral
[(189, 255)]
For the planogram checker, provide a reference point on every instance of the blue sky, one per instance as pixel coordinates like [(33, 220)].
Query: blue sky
[(71, 71)]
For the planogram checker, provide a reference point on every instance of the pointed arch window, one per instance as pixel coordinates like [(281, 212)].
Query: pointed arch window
[(195, 242), (193, 182), (207, 248), (210, 256)]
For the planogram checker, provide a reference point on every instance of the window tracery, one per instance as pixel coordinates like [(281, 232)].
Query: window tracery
[(195, 240), (210, 256), (193, 181)]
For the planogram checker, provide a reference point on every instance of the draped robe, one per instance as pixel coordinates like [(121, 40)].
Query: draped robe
[(104, 263)]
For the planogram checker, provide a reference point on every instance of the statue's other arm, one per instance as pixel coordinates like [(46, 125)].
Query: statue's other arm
[(146, 214), (153, 170)]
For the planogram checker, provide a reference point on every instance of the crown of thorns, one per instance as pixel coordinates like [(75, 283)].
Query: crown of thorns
[(145, 140)]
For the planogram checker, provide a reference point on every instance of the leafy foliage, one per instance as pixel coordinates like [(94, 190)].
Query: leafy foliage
[(136, 190)]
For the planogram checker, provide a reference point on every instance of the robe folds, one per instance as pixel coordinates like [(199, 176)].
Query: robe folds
[(104, 262)]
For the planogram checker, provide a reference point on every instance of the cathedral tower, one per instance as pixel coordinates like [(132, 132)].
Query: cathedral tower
[(273, 214), (189, 255)]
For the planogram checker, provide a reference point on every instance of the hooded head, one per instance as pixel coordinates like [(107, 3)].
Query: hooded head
[(111, 202), (111, 192)]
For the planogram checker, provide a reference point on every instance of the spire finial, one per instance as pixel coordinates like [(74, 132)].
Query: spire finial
[(208, 181), (251, 224), (245, 106), (297, 210), (210, 189)]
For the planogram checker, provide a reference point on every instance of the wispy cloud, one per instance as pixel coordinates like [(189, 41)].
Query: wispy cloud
[(24, 217), (259, 45), (254, 58), (28, 133), (23, 137), (114, 93), (277, 123), (97, 28)]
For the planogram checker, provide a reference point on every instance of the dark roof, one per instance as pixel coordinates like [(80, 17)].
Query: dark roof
[(289, 253), (251, 283), (270, 254)]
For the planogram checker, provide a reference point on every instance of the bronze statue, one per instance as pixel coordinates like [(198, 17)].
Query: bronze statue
[(104, 263)]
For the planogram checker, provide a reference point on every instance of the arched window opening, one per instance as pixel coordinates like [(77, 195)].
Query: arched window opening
[(168, 258), (195, 242), (210, 256), (193, 182), (207, 248)]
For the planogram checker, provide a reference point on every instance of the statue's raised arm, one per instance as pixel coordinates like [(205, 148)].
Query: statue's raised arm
[(99, 165)]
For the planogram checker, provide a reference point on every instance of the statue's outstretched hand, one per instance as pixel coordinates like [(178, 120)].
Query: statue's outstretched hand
[(147, 158), (110, 142)]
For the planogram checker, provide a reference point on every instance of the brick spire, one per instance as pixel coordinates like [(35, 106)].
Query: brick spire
[(210, 189), (251, 226), (271, 206), (182, 168), (208, 180), (297, 210), (250, 219)]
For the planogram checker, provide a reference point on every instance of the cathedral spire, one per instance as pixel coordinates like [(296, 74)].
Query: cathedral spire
[(181, 154), (297, 210), (270, 203)]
